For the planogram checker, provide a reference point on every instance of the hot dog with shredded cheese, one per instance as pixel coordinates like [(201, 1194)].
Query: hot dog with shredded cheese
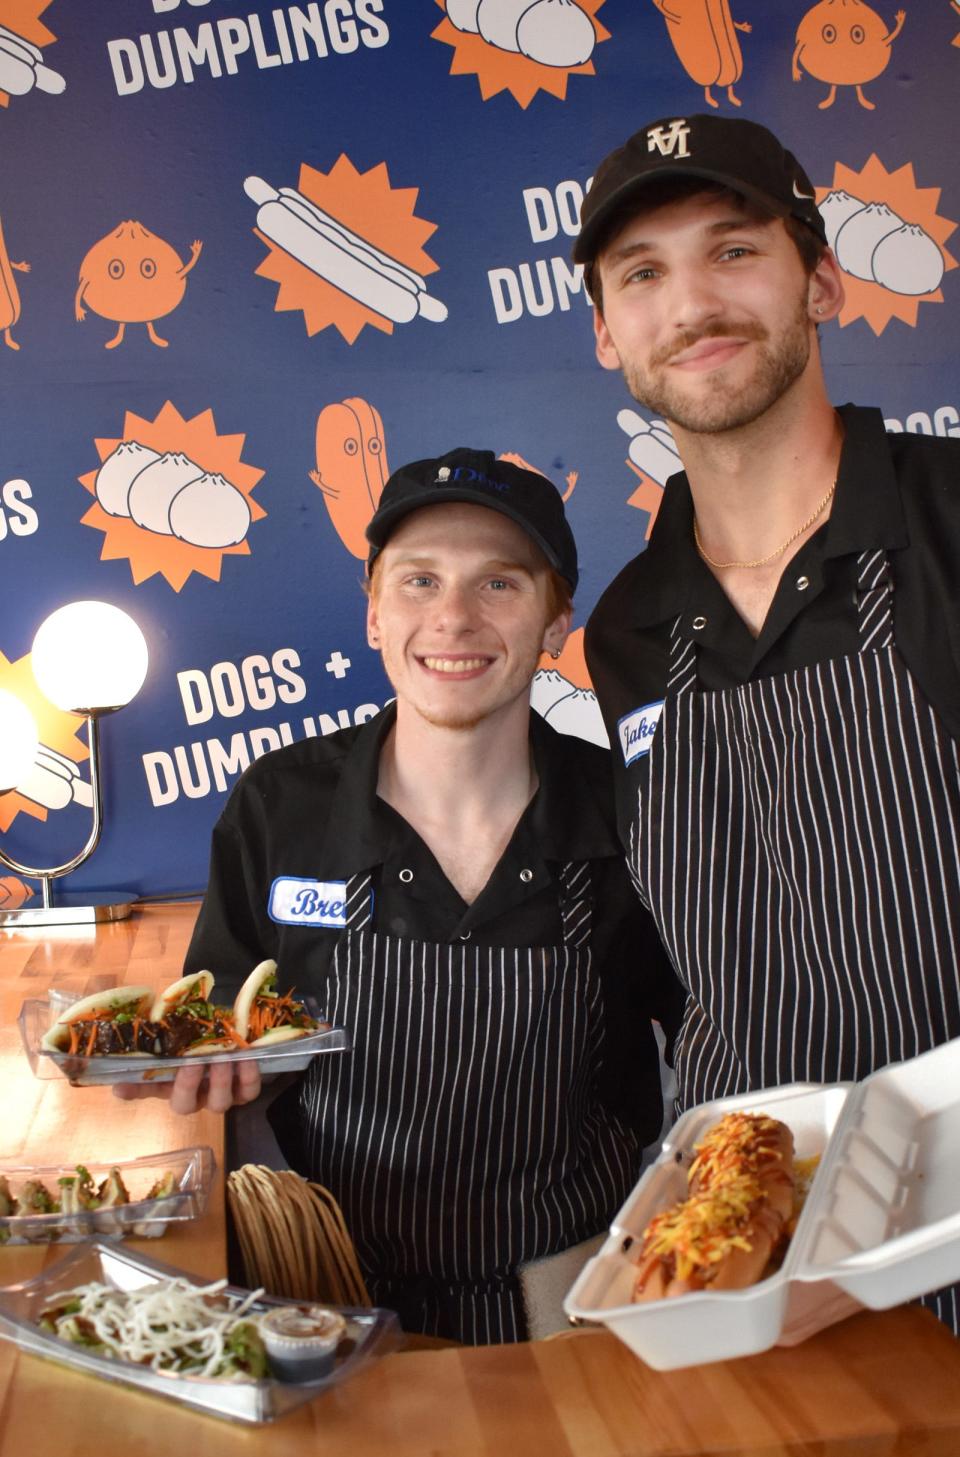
[(739, 1210)]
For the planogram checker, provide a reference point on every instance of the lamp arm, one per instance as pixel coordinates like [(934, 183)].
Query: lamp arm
[(93, 739)]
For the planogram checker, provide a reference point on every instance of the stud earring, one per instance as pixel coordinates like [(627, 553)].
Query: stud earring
[(555, 653), (819, 308)]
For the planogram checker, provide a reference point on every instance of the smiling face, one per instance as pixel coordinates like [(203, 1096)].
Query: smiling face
[(461, 609), (710, 313)]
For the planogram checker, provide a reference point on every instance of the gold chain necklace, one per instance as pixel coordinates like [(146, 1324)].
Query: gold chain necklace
[(762, 561)]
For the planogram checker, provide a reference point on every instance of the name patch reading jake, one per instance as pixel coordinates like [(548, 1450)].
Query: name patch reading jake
[(296, 902), (636, 730)]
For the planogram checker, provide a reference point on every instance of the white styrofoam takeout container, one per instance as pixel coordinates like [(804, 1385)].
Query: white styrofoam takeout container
[(881, 1224)]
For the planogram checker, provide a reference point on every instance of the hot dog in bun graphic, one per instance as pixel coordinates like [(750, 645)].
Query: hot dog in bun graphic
[(262, 1016), (738, 1214), (341, 257)]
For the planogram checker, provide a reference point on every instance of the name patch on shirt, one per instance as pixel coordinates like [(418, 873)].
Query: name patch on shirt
[(297, 902), (636, 730)]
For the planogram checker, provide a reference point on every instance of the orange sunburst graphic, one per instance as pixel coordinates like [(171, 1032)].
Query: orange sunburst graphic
[(23, 18), (923, 229), (507, 70), (149, 551), (377, 214), (57, 730)]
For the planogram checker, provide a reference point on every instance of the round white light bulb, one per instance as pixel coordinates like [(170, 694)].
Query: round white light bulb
[(18, 740), (89, 656)]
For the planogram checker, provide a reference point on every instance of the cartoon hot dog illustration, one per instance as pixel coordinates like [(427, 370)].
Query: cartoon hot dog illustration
[(844, 43), (133, 277), (703, 34), (9, 295), (351, 468), (339, 256), (22, 68)]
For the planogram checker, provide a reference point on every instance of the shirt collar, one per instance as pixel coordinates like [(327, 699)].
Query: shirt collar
[(867, 512), (569, 818)]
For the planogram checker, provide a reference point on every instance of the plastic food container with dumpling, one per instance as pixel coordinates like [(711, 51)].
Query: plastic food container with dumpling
[(880, 1226)]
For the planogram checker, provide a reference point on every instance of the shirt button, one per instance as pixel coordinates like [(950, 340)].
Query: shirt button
[(406, 876), (526, 876), (699, 623), (803, 583)]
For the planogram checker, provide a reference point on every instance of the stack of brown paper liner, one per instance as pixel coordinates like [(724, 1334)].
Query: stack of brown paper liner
[(293, 1238)]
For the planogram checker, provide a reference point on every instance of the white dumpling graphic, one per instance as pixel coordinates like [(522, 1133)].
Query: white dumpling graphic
[(156, 486), (651, 448), (497, 21), (860, 235), (556, 33), (568, 709), (908, 261), (210, 512), (117, 474), (835, 209), (463, 14)]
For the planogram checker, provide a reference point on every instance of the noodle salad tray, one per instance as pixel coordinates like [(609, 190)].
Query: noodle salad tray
[(880, 1223), (132, 1320)]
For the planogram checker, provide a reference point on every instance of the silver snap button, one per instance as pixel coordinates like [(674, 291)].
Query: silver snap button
[(406, 876), (699, 623), (803, 583), (526, 876)]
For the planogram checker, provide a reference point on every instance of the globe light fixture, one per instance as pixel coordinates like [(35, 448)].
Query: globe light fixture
[(88, 658)]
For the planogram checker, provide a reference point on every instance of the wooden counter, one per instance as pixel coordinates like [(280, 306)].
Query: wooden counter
[(873, 1386)]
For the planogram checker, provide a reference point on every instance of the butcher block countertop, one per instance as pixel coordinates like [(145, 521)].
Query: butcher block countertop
[(879, 1383)]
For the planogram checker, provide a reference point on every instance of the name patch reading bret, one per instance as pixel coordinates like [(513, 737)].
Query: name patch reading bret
[(636, 730), (297, 902)]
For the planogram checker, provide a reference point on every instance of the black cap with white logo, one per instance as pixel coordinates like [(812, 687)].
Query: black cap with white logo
[(478, 477), (729, 151)]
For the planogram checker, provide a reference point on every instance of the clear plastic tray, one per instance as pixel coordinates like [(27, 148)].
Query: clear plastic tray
[(38, 1015), (192, 1169), (370, 1333), (881, 1223)]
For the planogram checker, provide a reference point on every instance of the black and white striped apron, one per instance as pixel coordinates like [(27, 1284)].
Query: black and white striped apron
[(463, 1136), (797, 843)]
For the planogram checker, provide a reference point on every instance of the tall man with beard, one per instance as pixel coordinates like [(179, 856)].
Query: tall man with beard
[(446, 881), (780, 669)]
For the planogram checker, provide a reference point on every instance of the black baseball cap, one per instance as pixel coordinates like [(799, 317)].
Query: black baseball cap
[(730, 151), (479, 477)]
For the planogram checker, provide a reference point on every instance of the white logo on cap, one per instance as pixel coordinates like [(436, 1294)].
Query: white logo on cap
[(669, 141), (803, 196), (443, 475)]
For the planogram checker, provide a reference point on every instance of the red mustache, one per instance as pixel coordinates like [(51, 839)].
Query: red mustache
[(720, 329)]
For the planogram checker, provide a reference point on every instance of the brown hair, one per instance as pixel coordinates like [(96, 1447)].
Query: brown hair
[(674, 189)]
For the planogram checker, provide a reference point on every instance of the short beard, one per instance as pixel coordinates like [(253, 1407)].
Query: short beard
[(777, 368)]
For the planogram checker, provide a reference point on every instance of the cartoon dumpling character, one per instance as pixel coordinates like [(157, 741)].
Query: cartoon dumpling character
[(9, 296), (133, 277), (703, 34), (844, 43), (351, 468)]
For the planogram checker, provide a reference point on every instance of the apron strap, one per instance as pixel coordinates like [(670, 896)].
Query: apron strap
[(359, 902), (575, 903), (874, 602), (682, 669)]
